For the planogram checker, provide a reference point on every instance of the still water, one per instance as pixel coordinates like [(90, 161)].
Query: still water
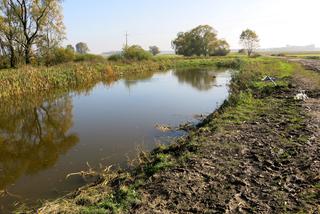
[(44, 138)]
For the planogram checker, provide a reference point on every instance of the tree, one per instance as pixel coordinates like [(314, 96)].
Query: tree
[(36, 20), (219, 48), (136, 52), (70, 47), (249, 40), (200, 41), (8, 31), (52, 33), (154, 50), (82, 48)]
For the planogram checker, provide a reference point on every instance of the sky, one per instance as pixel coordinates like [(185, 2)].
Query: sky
[(102, 24)]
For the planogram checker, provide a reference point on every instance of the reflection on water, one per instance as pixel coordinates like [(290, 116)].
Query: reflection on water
[(202, 80), (43, 138), (33, 137), (135, 78)]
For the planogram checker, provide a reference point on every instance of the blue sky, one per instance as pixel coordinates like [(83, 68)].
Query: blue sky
[(102, 23)]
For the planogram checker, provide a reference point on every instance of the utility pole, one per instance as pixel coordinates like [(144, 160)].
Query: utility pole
[(126, 39)]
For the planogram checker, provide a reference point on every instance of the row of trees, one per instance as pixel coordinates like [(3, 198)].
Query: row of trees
[(33, 30), (203, 41)]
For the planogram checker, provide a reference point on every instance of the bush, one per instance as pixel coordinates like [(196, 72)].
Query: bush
[(255, 55), (4, 62), (279, 54), (58, 56), (221, 52), (136, 52), (242, 51), (115, 57), (219, 48), (88, 58)]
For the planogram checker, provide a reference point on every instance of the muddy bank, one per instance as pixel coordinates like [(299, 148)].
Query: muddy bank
[(268, 163), (311, 64), (258, 154)]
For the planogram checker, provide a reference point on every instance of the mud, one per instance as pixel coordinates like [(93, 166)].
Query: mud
[(310, 64)]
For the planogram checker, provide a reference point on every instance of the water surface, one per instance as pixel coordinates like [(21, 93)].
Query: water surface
[(44, 138)]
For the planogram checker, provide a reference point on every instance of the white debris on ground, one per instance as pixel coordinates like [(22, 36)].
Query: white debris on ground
[(301, 96), (269, 79)]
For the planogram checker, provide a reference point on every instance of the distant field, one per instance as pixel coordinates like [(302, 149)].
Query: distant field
[(302, 54), (306, 55)]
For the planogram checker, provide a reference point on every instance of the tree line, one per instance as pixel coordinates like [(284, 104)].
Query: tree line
[(32, 31), (29, 27), (203, 41)]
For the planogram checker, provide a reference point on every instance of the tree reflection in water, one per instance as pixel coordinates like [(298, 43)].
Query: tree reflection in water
[(33, 134), (203, 79)]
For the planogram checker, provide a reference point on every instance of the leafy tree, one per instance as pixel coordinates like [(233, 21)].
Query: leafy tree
[(219, 48), (249, 40), (82, 48), (154, 50), (29, 25), (136, 52), (8, 29), (59, 55), (39, 23), (200, 41), (71, 48)]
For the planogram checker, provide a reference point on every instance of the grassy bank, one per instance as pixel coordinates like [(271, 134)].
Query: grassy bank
[(260, 130), (30, 80)]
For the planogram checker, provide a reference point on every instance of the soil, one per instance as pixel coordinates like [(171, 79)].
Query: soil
[(311, 64), (261, 166)]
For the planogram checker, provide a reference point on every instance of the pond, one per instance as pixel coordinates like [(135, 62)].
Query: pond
[(45, 138)]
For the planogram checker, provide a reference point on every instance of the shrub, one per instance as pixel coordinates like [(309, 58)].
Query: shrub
[(255, 55), (221, 52), (88, 58), (279, 54), (135, 52), (115, 57), (4, 62), (242, 51), (219, 48), (58, 56)]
